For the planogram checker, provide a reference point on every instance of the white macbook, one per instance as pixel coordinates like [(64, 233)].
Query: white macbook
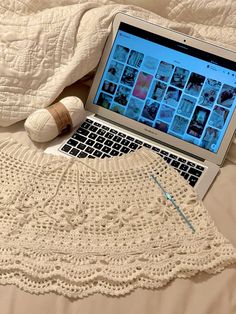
[(169, 92)]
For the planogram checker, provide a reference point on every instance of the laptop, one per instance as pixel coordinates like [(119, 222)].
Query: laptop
[(163, 90)]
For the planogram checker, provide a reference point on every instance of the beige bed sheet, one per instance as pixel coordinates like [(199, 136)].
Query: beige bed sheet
[(202, 294)]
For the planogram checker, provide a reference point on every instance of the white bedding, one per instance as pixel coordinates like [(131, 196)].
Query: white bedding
[(47, 45), (210, 19)]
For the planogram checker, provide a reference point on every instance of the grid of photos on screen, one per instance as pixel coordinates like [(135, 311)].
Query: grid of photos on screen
[(169, 98)]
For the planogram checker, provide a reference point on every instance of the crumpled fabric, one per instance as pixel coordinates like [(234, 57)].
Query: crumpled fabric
[(48, 45)]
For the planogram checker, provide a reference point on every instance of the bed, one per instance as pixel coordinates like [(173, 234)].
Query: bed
[(203, 293)]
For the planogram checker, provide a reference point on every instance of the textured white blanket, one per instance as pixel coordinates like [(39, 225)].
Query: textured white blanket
[(47, 45)]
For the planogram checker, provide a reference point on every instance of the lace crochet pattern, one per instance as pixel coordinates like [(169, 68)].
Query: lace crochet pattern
[(78, 227)]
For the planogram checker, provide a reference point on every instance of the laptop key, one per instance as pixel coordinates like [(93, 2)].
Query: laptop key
[(182, 160), (82, 155), (130, 138), (195, 172), (155, 149), (125, 150), (104, 127), (101, 132), (125, 142), (79, 137), (101, 139), (109, 135), (133, 146), (183, 167), (116, 146), (93, 136), (72, 142), (97, 124), (85, 125), (108, 143), (175, 163), (89, 121), (89, 150), (106, 149), (83, 131), (138, 142), (113, 131), (163, 152), (147, 145), (121, 134), (89, 142), (98, 145), (81, 146), (93, 128), (74, 152), (117, 139), (66, 148), (185, 175), (192, 181), (97, 153), (167, 159), (200, 167), (190, 163), (173, 156), (114, 153)]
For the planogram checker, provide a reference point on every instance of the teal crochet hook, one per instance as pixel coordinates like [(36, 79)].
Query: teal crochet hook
[(170, 198)]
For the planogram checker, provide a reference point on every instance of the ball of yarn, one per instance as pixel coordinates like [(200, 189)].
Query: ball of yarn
[(42, 125)]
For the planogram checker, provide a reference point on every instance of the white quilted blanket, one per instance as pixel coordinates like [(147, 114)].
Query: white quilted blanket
[(47, 45)]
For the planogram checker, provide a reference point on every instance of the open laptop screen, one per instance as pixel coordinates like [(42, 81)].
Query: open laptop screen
[(177, 89)]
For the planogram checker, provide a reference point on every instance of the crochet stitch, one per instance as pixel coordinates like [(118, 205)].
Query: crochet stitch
[(78, 227)]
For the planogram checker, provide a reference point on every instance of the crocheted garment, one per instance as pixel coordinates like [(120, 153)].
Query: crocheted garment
[(77, 227)]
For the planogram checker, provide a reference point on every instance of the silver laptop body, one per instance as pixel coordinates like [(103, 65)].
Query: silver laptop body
[(161, 89)]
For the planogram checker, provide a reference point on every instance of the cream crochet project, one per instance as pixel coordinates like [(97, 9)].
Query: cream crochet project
[(78, 227)]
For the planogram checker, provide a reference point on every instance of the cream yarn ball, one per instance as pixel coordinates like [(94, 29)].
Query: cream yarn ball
[(41, 125)]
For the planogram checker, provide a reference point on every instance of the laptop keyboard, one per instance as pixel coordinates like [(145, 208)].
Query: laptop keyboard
[(93, 139)]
